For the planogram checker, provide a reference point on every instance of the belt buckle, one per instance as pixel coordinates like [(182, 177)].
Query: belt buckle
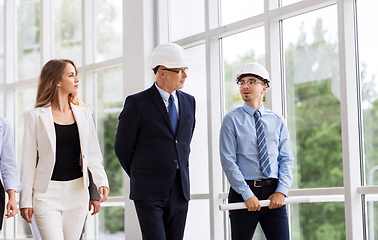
[(254, 183)]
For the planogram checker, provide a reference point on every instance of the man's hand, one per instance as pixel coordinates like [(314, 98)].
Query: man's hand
[(277, 200), (96, 206), (12, 209), (26, 213), (253, 204), (104, 192)]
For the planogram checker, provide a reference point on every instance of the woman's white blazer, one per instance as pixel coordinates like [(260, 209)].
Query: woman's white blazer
[(39, 151)]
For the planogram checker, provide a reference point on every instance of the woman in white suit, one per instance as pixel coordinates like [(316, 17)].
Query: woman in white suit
[(60, 141)]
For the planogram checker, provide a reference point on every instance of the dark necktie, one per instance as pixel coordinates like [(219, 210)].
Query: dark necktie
[(263, 150), (172, 112)]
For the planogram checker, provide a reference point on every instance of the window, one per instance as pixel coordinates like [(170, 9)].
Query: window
[(313, 118), (108, 30), (233, 11), (108, 106), (186, 18), (68, 30), (111, 223), (28, 42), (317, 221), (313, 98)]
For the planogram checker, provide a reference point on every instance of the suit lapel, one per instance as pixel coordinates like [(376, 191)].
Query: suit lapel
[(157, 99), (182, 106), (48, 122)]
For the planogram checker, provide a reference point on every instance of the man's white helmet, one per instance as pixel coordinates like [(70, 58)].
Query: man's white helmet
[(169, 55), (257, 70)]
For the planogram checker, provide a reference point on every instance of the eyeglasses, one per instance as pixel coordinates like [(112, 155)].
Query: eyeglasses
[(248, 83), (176, 71)]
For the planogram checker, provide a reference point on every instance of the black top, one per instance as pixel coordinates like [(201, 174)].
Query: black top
[(67, 165)]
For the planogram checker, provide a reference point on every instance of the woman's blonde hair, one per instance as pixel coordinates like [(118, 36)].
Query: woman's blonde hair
[(51, 74)]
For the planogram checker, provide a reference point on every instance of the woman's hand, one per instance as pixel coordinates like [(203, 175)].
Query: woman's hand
[(104, 192), (26, 213), (96, 206)]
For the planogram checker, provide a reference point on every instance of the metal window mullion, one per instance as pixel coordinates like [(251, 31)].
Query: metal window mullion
[(273, 58), (214, 106), (350, 119)]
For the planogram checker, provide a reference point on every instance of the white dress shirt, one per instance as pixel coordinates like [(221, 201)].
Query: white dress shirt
[(165, 96)]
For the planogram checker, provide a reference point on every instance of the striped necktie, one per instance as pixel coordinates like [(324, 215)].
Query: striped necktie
[(263, 150), (172, 112)]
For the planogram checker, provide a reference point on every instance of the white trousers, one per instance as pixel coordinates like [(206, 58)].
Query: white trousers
[(60, 212)]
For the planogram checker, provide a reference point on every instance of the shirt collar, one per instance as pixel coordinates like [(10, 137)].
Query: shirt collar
[(250, 110), (164, 94)]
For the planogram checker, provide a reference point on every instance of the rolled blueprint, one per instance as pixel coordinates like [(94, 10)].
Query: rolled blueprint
[(34, 229), (263, 203)]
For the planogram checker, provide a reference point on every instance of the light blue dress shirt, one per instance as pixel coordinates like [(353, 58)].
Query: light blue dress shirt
[(8, 166), (239, 152)]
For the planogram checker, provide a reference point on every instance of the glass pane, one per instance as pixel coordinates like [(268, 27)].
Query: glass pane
[(198, 220), (25, 100), (196, 86), (186, 18), (28, 42), (233, 11), (109, 105), (288, 2), (368, 58), (68, 30), (313, 98), (238, 50), (317, 221), (23, 228), (2, 36), (372, 216), (109, 27), (111, 223)]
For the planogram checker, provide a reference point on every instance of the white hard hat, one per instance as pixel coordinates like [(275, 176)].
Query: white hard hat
[(255, 69), (170, 55)]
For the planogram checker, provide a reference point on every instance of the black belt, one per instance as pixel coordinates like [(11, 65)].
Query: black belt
[(263, 182)]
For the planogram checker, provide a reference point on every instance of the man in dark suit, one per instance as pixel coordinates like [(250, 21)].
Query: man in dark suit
[(153, 145)]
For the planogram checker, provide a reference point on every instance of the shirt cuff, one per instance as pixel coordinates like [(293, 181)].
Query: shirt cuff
[(15, 185), (247, 194), (282, 189)]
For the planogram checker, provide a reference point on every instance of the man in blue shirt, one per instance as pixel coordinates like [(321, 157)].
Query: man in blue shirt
[(246, 133), (9, 173)]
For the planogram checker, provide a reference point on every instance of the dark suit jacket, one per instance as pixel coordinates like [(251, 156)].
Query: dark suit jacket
[(2, 204), (147, 148)]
